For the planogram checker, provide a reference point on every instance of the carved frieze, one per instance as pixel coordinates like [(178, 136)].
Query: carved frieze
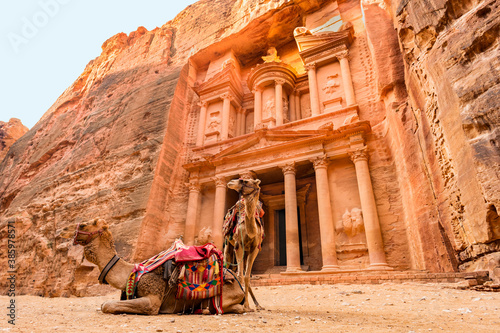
[(331, 85)]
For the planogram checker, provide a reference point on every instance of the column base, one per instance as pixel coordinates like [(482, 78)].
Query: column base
[(293, 269), (330, 268), (380, 267)]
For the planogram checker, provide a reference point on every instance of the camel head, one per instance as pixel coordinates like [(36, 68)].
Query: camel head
[(93, 235), (245, 186)]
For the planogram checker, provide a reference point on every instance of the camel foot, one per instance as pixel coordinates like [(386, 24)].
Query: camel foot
[(205, 312), (249, 310), (259, 308)]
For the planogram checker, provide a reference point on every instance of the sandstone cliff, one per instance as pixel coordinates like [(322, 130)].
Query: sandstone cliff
[(114, 143), (10, 132)]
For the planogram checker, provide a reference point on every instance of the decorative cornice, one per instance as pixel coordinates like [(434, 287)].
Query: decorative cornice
[(288, 168), (360, 154)]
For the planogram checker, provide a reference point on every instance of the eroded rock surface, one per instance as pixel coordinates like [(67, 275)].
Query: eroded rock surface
[(10, 132)]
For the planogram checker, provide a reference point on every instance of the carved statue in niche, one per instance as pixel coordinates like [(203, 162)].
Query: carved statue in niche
[(272, 55), (286, 117), (331, 85), (214, 122), (352, 222), (232, 122), (269, 108)]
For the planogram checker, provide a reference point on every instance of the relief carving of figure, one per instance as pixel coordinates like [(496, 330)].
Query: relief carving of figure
[(352, 222), (269, 108), (286, 117), (214, 122), (272, 55), (331, 85)]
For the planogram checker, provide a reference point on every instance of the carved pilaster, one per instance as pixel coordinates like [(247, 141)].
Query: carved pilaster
[(360, 154)]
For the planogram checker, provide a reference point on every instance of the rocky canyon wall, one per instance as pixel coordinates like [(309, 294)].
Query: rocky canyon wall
[(10, 132), (114, 143)]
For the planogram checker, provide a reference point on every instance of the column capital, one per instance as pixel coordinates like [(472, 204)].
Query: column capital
[(220, 181), (247, 174), (256, 89), (228, 96), (194, 186), (280, 82), (310, 66), (288, 168), (320, 162), (360, 154), (203, 104), (343, 54)]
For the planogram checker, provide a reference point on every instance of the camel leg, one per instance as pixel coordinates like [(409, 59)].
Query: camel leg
[(248, 271), (257, 305), (149, 305), (240, 263)]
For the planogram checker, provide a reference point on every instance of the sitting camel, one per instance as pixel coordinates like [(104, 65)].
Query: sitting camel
[(246, 240), (154, 294)]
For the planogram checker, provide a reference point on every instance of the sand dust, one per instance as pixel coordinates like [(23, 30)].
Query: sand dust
[(408, 307)]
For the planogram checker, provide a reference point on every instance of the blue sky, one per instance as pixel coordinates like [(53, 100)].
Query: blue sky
[(46, 44)]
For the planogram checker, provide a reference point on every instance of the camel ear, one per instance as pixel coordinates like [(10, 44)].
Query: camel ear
[(95, 222)]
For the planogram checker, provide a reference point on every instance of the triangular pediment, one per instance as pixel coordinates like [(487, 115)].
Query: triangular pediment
[(307, 42), (268, 138), (227, 77)]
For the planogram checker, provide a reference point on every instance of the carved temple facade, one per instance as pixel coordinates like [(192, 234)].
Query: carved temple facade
[(291, 119)]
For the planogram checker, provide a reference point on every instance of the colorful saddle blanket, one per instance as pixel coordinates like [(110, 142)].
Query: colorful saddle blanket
[(236, 216), (202, 278)]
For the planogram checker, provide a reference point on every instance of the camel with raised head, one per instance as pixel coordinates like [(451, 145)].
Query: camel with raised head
[(154, 294), (246, 241)]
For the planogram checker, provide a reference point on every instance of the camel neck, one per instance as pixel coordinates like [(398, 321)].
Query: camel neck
[(250, 206), (119, 273)]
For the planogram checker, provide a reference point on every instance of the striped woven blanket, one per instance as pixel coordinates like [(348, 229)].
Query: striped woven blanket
[(202, 266)]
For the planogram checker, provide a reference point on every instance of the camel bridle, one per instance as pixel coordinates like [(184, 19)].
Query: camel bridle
[(88, 234)]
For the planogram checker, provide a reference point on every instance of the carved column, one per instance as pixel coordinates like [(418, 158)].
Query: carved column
[(293, 114), (346, 77), (243, 122), (237, 127), (202, 124), (326, 227), (313, 89), (291, 220), (192, 212), (279, 101), (226, 110), (298, 115), (257, 107), (219, 210), (369, 208)]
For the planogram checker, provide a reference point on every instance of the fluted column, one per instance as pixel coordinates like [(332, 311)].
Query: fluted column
[(326, 227), (350, 98), (257, 107), (298, 112), (219, 210), (226, 110), (279, 101), (291, 220), (369, 208), (293, 114), (313, 89), (192, 212), (202, 124)]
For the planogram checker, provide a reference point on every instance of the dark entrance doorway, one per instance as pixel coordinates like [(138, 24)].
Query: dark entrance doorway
[(280, 216)]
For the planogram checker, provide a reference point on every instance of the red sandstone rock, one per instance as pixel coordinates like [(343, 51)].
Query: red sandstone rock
[(9, 133), (121, 142)]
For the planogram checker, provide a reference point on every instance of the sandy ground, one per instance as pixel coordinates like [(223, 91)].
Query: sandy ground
[(408, 307)]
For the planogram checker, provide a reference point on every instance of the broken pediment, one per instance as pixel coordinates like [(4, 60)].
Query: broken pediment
[(227, 80)]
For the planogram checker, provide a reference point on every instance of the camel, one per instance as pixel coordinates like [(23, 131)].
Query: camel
[(246, 241), (154, 294)]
